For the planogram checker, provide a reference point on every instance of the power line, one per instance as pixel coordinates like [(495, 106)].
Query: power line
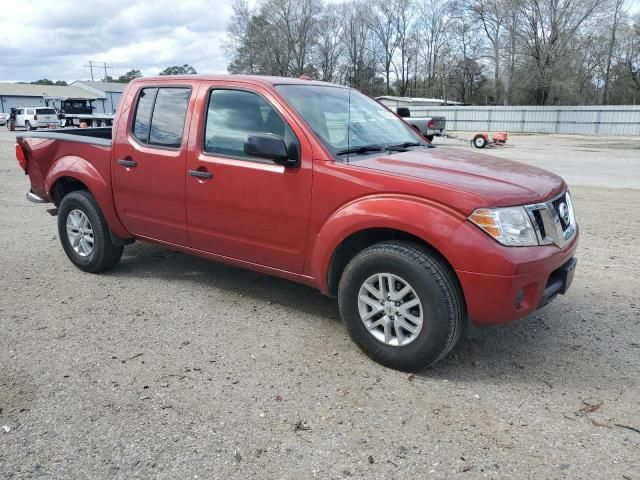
[(93, 64)]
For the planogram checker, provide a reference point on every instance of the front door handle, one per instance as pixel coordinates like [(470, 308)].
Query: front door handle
[(200, 174), (127, 163)]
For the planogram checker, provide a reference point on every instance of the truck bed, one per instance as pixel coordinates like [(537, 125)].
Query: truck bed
[(93, 136), (50, 152)]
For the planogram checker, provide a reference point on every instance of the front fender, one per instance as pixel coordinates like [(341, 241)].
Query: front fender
[(85, 172), (432, 222)]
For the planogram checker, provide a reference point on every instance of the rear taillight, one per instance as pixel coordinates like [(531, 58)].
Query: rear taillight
[(430, 124), (22, 160), (35, 117)]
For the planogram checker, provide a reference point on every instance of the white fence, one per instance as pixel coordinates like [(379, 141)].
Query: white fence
[(610, 120)]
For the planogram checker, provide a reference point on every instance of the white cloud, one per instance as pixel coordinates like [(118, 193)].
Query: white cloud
[(56, 39)]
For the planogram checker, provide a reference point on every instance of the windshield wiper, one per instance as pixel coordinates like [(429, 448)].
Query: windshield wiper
[(401, 147), (361, 150)]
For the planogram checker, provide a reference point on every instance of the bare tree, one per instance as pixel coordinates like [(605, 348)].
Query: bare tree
[(534, 51), (434, 34), (358, 39), (493, 15), (406, 43), (329, 48), (382, 23), (618, 12), (549, 27)]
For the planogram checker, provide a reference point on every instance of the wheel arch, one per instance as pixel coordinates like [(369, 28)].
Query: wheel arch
[(375, 219), (73, 173), (358, 241)]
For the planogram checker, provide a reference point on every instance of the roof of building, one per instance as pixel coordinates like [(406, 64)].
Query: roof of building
[(31, 90), (417, 100), (102, 86)]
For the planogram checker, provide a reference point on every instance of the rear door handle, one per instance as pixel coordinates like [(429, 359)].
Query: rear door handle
[(200, 174), (127, 163)]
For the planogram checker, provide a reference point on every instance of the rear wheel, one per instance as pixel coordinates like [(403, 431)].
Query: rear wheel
[(401, 304), (84, 233)]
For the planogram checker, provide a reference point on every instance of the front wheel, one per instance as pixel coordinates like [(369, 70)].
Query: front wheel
[(27, 125), (401, 304), (84, 233), (430, 138)]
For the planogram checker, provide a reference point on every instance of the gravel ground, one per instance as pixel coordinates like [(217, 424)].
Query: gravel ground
[(170, 366)]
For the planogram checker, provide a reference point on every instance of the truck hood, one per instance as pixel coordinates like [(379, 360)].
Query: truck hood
[(483, 180)]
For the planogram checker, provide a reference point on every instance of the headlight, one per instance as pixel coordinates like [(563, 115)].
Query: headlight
[(510, 226)]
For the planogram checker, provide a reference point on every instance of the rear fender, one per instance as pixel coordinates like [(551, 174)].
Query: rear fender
[(434, 223), (83, 171)]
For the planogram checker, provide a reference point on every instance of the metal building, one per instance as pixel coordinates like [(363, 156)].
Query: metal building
[(108, 94), (14, 95)]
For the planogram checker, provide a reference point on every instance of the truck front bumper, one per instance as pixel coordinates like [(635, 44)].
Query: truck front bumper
[(494, 299)]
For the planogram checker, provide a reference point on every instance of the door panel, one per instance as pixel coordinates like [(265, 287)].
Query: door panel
[(149, 179), (250, 209)]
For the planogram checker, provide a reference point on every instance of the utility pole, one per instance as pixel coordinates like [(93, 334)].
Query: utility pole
[(104, 66)]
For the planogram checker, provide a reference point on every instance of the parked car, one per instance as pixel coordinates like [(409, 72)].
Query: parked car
[(36, 117), (4, 117), (319, 184), (428, 127)]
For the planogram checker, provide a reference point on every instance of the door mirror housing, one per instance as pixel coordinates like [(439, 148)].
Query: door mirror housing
[(271, 147)]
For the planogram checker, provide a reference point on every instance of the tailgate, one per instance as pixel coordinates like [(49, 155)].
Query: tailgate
[(439, 123), (47, 118)]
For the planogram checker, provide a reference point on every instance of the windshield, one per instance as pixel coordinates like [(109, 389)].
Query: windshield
[(347, 120)]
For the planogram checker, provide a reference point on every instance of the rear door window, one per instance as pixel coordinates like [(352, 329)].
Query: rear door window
[(142, 120), (160, 116)]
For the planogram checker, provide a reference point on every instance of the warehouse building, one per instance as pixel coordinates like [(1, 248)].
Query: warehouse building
[(108, 94), (14, 95)]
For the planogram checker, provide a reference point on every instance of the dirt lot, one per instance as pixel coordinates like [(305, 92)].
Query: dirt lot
[(173, 367)]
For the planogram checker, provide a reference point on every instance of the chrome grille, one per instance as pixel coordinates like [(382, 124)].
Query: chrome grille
[(554, 220)]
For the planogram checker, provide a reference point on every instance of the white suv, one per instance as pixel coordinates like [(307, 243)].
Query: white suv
[(34, 117)]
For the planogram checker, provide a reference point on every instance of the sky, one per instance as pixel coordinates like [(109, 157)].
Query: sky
[(56, 39)]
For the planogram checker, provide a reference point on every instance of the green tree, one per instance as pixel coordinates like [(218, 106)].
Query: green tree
[(179, 70), (130, 75), (43, 81)]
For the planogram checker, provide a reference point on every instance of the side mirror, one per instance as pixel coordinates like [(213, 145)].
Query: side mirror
[(271, 147)]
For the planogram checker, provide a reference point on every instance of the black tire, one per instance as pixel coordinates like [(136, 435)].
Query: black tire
[(436, 288), (104, 254), (27, 125), (429, 137), (479, 141)]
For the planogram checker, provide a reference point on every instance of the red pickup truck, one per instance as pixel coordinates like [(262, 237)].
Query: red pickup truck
[(319, 184)]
